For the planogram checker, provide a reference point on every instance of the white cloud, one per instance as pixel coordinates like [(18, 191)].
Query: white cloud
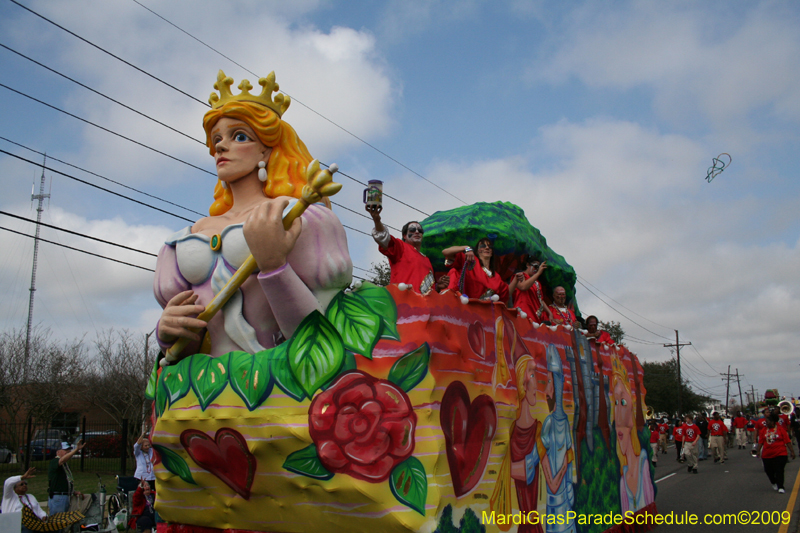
[(693, 58)]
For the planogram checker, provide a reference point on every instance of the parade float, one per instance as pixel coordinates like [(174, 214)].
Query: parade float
[(381, 409)]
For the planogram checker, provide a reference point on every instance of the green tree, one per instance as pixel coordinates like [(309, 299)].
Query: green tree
[(381, 272), (614, 329), (661, 383)]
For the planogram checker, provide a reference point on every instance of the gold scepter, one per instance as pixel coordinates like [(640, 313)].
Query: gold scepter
[(320, 184)]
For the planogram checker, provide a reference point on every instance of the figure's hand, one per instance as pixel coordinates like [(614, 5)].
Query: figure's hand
[(268, 241), (520, 277), (469, 257), (442, 283), (542, 266), (29, 473), (178, 316), (375, 212), (80, 445)]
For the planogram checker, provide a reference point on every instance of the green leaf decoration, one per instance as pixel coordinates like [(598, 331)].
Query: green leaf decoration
[(176, 380), (208, 376), (348, 365), (381, 302), (282, 374), (316, 352), (409, 484), (250, 376), (306, 462), (358, 324), (175, 464), (150, 391), (161, 396), (410, 369)]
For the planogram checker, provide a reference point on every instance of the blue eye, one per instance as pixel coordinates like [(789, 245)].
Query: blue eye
[(624, 402), (241, 137)]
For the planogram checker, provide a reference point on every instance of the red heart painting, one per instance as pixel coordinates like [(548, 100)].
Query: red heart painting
[(226, 456), (468, 429)]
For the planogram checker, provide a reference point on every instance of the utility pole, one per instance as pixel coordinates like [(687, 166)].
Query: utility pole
[(753, 391), (40, 197), (728, 389), (739, 383), (677, 347)]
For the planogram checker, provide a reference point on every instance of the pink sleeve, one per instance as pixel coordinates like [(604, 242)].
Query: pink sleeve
[(167, 282), (316, 270)]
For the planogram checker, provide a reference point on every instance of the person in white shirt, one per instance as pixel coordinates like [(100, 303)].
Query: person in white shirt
[(15, 495), (144, 455)]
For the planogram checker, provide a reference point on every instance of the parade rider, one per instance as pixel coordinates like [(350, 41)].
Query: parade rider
[(408, 264)]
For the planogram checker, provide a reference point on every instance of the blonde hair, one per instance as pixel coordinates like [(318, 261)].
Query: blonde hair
[(521, 371), (620, 374), (287, 162)]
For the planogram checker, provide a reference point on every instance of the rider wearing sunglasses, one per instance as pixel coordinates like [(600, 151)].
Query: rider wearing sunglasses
[(407, 262)]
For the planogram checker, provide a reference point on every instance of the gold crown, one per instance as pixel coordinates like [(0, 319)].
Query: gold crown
[(618, 368), (223, 84)]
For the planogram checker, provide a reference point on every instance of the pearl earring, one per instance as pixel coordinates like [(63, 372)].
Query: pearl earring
[(262, 171)]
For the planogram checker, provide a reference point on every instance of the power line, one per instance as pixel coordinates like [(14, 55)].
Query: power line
[(620, 312), (77, 233), (103, 177), (192, 97), (306, 106), (78, 249), (105, 129), (95, 186), (623, 305), (109, 53), (103, 95), (704, 359)]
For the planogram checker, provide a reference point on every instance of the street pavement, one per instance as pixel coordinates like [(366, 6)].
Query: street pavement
[(739, 484)]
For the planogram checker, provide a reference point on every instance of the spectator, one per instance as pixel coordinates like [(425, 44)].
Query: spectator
[(739, 424), (718, 431), (598, 335), (691, 434), (15, 495), (483, 282), (59, 478), (561, 313), (702, 422), (527, 291), (408, 264), (772, 445), (144, 455), (143, 510)]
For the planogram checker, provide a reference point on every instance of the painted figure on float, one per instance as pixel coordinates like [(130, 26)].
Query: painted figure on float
[(636, 487)]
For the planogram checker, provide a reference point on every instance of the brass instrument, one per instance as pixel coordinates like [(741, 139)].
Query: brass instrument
[(649, 413), (786, 407)]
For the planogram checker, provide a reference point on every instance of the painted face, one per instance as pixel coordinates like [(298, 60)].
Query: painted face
[(560, 296), (591, 325), (485, 249), (414, 233), (623, 408), (238, 150)]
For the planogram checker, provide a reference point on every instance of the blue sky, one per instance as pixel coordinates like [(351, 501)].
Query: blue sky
[(598, 118)]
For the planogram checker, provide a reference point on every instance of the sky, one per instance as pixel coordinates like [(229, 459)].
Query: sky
[(599, 119)]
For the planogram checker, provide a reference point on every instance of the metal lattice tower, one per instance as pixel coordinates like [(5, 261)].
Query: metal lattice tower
[(40, 197)]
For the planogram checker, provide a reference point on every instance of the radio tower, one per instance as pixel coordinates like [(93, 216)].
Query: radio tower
[(41, 196)]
